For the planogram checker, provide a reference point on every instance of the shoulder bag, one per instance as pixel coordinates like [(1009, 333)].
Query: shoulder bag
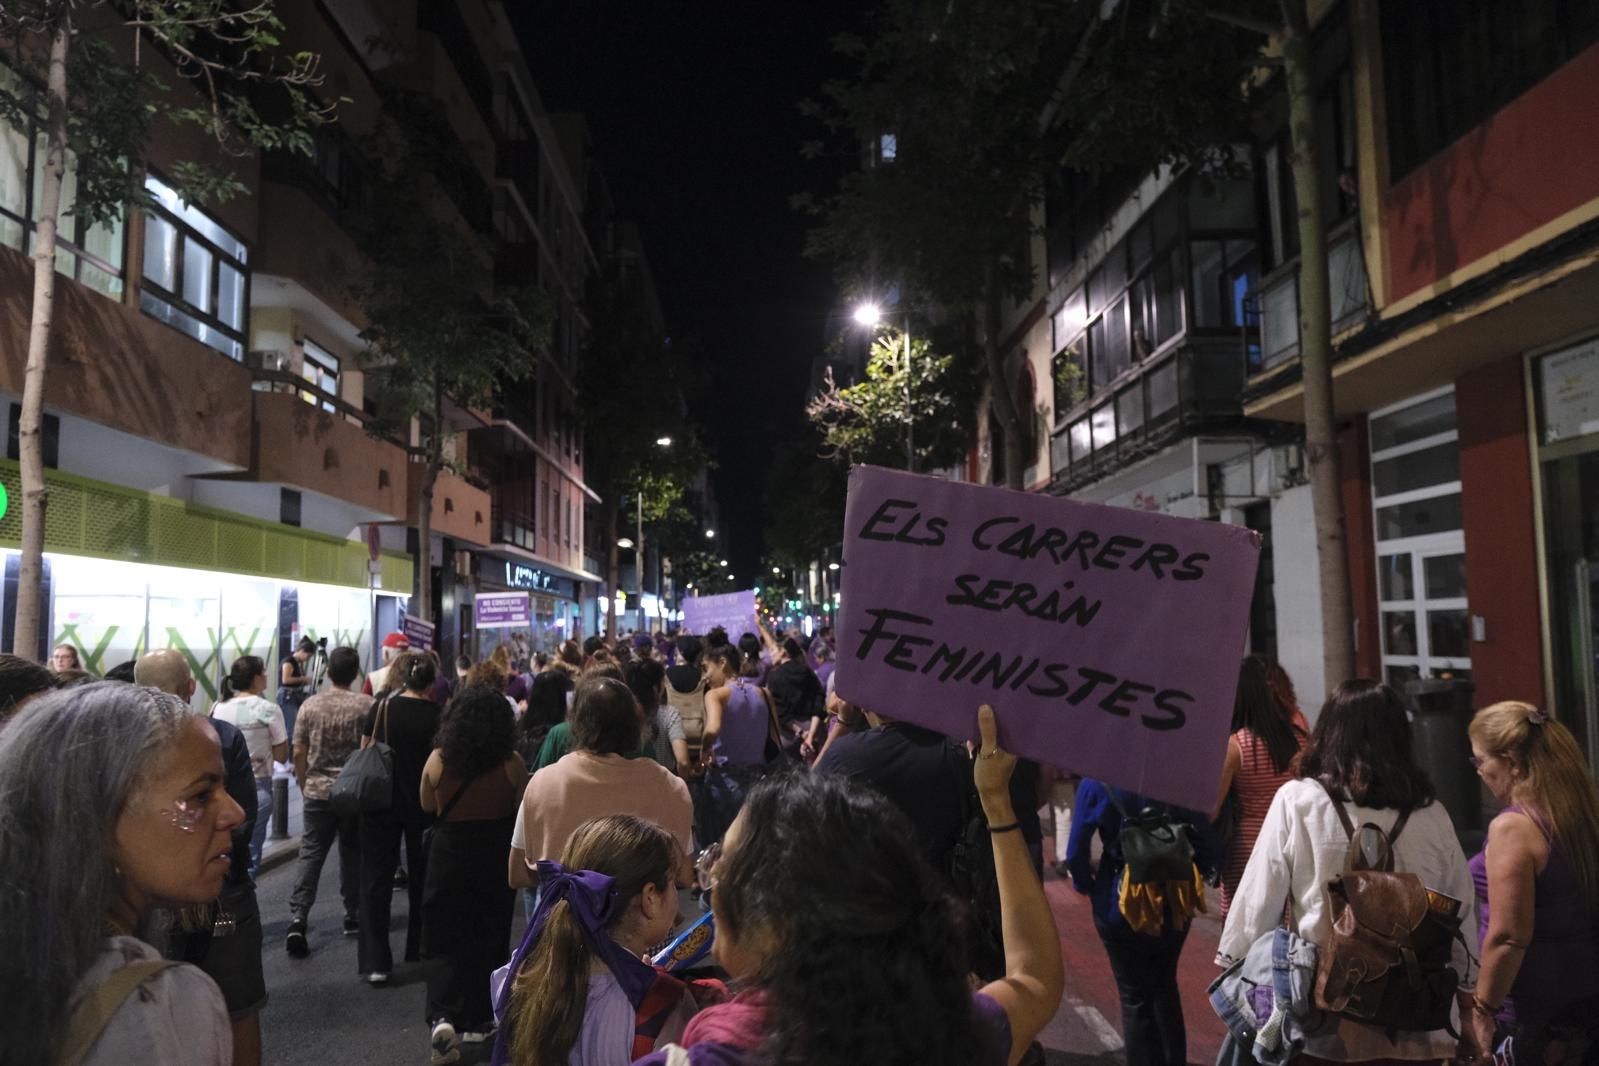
[(97, 1009), (366, 783), (432, 827)]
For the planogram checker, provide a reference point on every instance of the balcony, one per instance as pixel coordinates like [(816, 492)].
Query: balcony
[(1190, 385), (1275, 304), (461, 510), (328, 452), (517, 162)]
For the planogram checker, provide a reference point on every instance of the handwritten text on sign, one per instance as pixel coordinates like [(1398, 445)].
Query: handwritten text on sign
[(733, 611), (1107, 639)]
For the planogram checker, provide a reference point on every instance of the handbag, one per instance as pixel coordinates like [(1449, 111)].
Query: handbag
[(428, 833), (1154, 845), (366, 783)]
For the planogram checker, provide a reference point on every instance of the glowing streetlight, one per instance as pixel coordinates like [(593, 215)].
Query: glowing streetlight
[(710, 533), (663, 442), (722, 563), (868, 314), (775, 570), (625, 542), (832, 566)]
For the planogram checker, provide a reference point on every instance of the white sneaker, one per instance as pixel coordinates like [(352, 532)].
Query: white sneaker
[(377, 980), (475, 1036), (446, 1045)]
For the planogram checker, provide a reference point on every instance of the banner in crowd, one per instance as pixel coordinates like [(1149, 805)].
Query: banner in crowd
[(733, 611), (1106, 639), (418, 634), (500, 610)]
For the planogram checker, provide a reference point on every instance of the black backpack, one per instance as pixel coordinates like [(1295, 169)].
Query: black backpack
[(970, 867)]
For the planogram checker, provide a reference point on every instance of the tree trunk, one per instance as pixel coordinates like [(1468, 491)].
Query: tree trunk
[(613, 563), (1315, 350), (30, 585), (1002, 398), (422, 602)]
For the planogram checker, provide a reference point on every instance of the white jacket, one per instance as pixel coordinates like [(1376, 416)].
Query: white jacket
[(1301, 847)]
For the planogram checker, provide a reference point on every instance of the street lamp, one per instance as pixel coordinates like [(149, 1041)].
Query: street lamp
[(870, 315), (625, 542), (832, 566), (722, 563), (663, 442), (710, 533)]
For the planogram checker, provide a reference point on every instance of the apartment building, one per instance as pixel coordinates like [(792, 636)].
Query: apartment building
[(212, 483)]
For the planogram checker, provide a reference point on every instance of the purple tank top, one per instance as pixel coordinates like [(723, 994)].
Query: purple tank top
[(1561, 964), (745, 725)]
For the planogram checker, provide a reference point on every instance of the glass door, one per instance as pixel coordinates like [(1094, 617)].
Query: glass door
[(1571, 522)]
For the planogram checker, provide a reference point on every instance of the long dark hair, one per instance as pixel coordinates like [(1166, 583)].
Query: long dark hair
[(548, 994), (1257, 709), (476, 732), (241, 675), (645, 678), (1361, 749), (883, 947), (546, 709)]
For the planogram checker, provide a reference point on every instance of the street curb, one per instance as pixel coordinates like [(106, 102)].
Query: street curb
[(277, 853)]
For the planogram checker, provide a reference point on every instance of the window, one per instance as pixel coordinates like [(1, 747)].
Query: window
[(92, 255), (195, 273), (888, 147), (289, 507), (1450, 64), (1421, 561), (321, 368), (1224, 273)]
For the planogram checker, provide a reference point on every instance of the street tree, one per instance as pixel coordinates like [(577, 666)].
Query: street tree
[(112, 73), (804, 503), (441, 334), (906, 389)]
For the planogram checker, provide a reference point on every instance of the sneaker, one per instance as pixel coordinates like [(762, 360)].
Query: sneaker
[(446, 1045), (400, 878), (295, 943), (477, 1036), (377, 980), (352, 927)]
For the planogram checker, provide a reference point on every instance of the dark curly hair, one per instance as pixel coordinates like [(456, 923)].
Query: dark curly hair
[(476, 732), (884, 946)]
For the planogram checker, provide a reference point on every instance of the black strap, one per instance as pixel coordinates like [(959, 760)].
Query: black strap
[(450, 806)]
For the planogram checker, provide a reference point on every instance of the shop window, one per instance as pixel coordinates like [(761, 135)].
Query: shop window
[(195, 273)]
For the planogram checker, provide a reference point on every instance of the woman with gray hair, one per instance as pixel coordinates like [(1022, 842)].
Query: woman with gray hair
[(111, 802)]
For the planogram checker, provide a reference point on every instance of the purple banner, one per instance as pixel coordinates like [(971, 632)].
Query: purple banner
[(418, 634), (1107, 640), (497, 610), (733, 611)]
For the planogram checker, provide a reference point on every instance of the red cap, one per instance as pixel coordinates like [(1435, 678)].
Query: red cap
[(396, 640)]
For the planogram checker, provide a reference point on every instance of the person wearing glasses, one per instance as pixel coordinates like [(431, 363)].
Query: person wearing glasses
[(1537, 884)]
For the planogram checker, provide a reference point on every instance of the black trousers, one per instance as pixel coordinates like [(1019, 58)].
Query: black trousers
[(381, 835), (466, 932), (1152, 1008)]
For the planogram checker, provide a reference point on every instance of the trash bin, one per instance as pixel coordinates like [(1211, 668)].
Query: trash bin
[(1440, 712)]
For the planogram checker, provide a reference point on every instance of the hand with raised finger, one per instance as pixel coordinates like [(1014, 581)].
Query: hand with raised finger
[(992, 768)]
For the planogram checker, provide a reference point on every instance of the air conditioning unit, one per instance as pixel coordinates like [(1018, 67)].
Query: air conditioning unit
[(267, 359)]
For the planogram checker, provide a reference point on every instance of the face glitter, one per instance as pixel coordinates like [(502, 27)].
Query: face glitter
[(185, 814)]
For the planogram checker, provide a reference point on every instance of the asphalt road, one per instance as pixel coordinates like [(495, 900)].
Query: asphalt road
[(321, 1010)]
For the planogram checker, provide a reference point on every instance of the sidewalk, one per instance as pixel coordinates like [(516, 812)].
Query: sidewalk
[(1088, 1025)]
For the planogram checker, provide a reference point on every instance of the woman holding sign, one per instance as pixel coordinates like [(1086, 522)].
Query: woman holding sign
[(873, 969)]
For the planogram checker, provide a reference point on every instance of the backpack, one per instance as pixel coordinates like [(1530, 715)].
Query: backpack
[(970, 869), (690, 706), (1158, 886), (1387, 961)]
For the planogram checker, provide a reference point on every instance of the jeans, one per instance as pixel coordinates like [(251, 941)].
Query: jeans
[(1152, 1008), (322, 826), (263, 820)]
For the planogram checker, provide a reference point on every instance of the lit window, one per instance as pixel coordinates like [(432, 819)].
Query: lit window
[(888, 147), (195, 273), (320, 367)]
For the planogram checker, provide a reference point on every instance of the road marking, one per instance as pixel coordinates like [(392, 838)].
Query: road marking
[(1103, 1031)]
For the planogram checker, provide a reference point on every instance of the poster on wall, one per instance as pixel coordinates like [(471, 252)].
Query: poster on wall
[(1106, 639), (501, 610), (1570, 387)]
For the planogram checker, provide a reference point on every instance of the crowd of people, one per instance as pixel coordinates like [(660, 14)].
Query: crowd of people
[(875, 888)]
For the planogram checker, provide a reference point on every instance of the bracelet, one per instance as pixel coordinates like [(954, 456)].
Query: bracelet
[(1004, 828), (1482, 1008)]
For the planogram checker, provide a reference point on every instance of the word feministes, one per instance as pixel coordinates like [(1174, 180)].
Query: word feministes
[(1107, 639)]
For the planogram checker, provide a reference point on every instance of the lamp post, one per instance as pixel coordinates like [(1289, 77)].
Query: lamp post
[(638, 567), (869, 315)]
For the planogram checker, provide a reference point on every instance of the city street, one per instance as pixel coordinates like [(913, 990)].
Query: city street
[(322, 1010)]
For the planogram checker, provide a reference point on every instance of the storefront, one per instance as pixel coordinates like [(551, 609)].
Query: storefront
[(1565, 386), (128, 571), (554, 603)]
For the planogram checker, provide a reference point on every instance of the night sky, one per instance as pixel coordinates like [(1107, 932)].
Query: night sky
[(693, 105)]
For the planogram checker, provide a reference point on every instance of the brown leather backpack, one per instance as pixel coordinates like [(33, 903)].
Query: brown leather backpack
[(1388, 960)]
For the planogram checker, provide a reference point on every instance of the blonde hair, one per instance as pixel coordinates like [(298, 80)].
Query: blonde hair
[(1555, 785), (550, 991)]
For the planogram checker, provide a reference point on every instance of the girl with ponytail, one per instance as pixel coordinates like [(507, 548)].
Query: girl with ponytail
[(261, 722), (1539, 986), (577, 983)]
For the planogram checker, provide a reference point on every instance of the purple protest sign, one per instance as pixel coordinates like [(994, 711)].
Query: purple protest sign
[(1106, 639), (733, 611), (418, 633), (497, 610)]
